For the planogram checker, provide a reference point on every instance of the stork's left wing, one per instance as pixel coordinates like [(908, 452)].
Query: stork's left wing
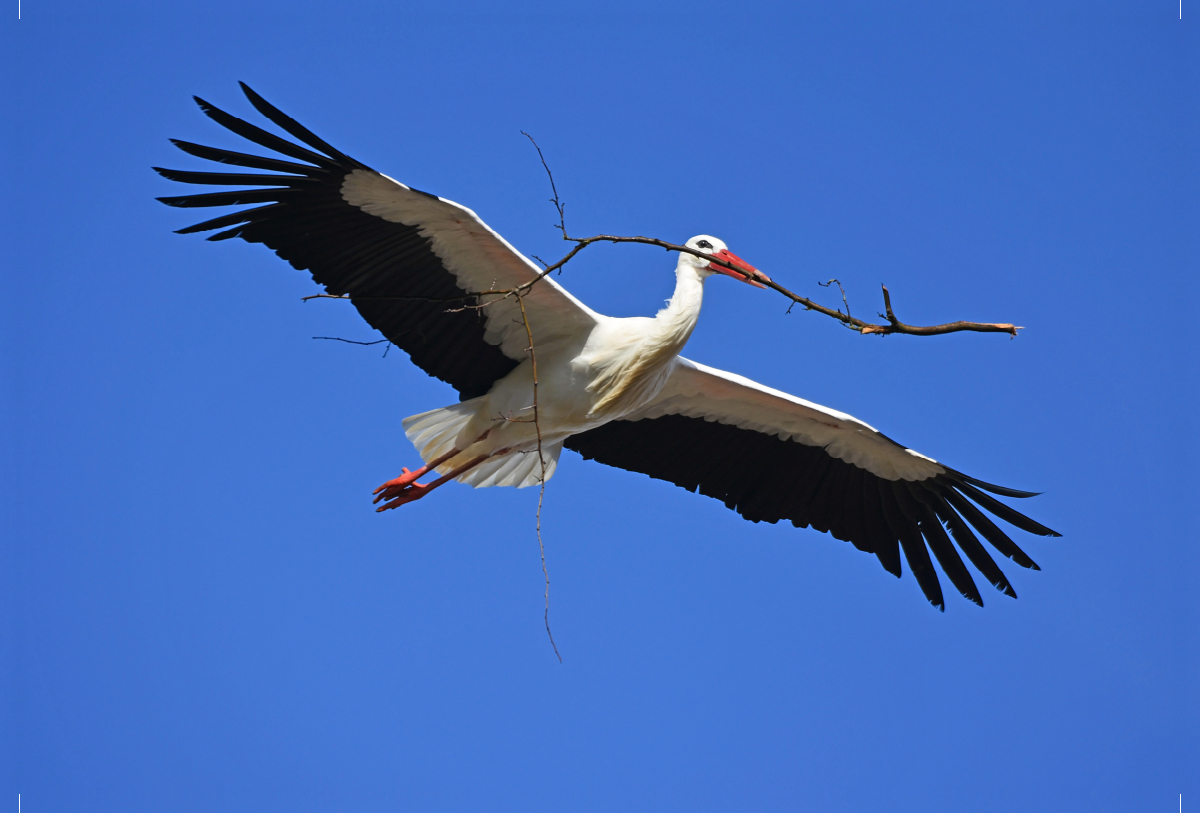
[(414, 265), (771, 456)]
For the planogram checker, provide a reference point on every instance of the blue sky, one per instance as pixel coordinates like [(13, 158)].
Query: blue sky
[(200, 609)]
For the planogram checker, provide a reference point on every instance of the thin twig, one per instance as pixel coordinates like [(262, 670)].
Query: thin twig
[(840, 288), (558, 204), (542, 479), (349, 341), (364, 344), (437, 299)]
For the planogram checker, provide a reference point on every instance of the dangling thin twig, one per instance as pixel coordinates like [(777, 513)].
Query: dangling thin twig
[(542, 479)]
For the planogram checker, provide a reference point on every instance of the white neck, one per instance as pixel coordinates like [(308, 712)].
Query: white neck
[(632, 373), (674, 323)]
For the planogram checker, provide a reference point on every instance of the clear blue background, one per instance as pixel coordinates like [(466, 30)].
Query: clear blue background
[(201, 611)]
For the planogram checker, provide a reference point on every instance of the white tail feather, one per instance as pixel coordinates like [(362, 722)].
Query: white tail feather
[(516, 469), (434, 433)]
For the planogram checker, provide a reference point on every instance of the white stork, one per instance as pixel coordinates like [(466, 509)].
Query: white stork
[(613, 390)]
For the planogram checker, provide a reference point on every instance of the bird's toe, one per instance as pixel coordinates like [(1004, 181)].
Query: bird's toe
[(401, 496)]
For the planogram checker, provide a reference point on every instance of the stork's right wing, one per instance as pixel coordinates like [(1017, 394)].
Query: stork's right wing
[(771, 456)]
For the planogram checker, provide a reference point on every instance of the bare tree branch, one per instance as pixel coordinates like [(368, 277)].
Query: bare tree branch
[(893, 324)]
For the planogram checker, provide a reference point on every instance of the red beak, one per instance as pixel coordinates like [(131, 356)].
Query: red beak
[(745, 271)]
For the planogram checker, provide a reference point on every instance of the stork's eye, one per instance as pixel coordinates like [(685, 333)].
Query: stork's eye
[(704, 244)]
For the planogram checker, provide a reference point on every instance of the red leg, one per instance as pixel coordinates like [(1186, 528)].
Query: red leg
[(393, 488), (407, 481), (416, 491)]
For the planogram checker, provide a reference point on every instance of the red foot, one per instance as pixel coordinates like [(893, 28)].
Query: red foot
[(406, 478), (402, 490), (399, 497), (405, 488)]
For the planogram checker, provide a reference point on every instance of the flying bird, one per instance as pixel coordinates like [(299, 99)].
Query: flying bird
[(418, 268)]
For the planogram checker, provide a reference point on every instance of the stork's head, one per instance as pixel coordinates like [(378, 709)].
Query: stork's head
[(706, 244)]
